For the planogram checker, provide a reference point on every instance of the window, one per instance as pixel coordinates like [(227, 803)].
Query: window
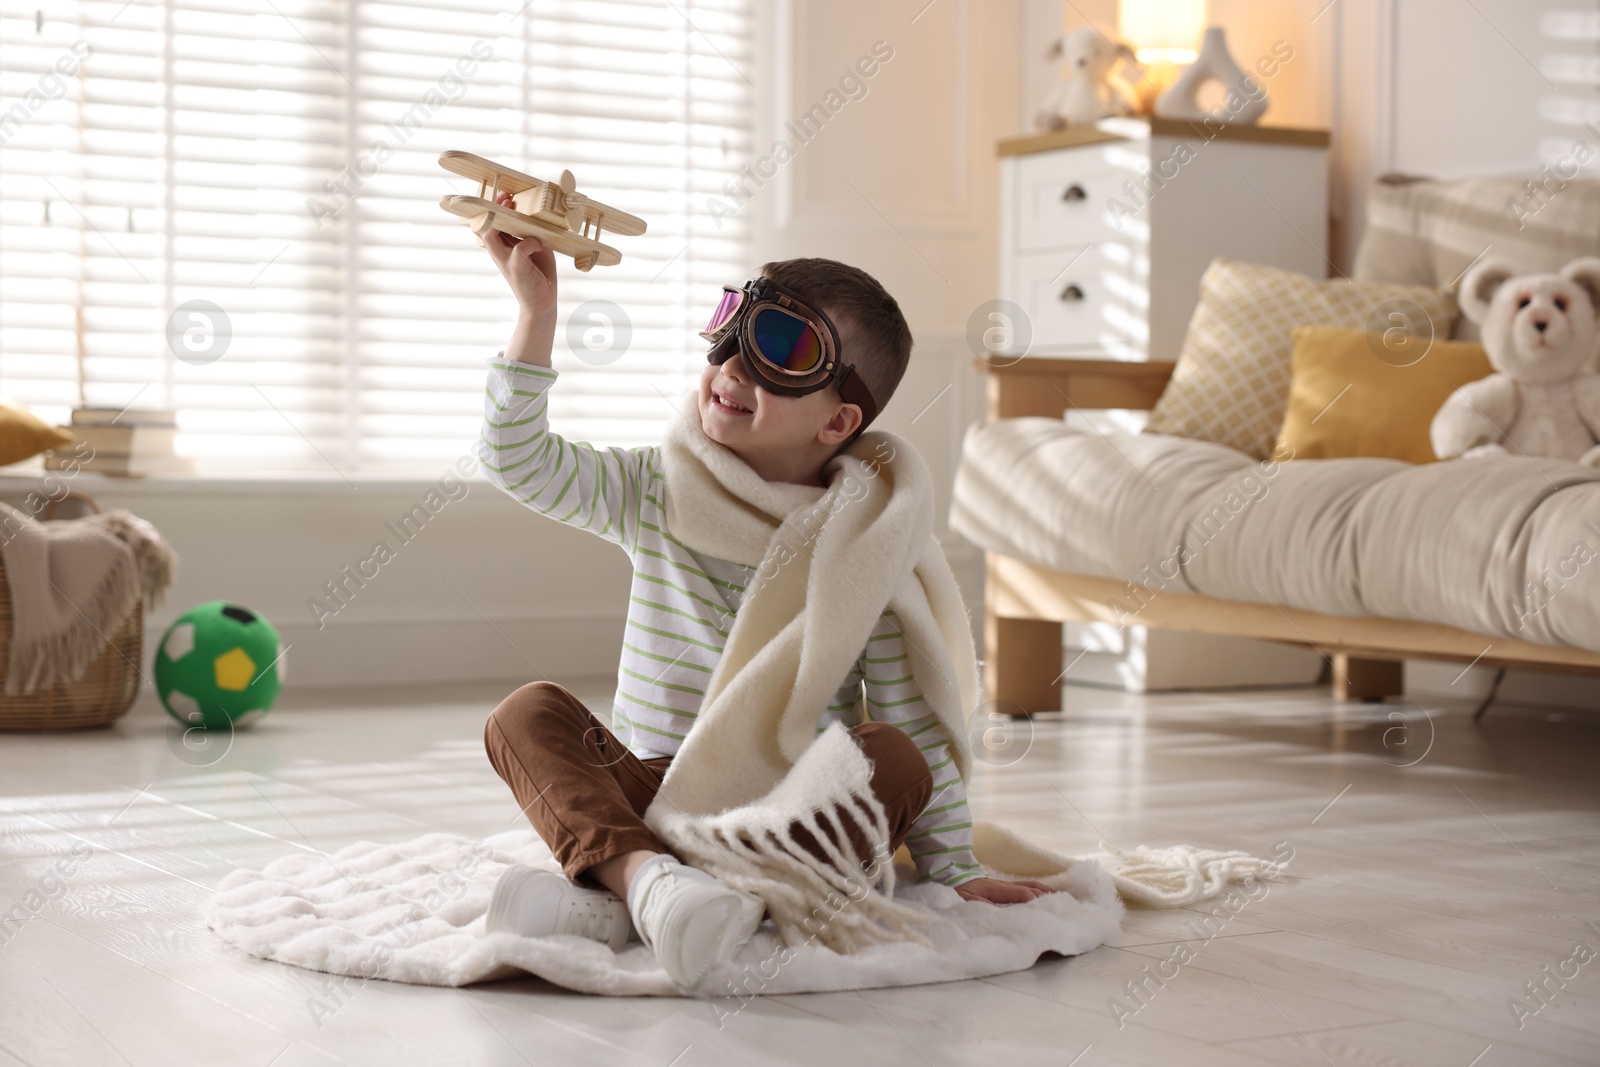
[(277, 159)]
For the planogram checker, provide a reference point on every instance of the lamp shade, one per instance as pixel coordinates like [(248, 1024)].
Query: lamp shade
[(1162, 31)]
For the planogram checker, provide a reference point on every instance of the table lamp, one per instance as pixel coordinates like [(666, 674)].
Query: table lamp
[(1165, 34)]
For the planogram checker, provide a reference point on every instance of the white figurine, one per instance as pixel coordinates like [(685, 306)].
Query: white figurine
[(1245, 99), (1089, 91)]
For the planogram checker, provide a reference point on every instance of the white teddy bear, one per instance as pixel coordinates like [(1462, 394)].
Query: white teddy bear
[(1089, 92), (1539, 331)]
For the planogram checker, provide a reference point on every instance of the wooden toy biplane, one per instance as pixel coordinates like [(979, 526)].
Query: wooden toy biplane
[(556, 213)]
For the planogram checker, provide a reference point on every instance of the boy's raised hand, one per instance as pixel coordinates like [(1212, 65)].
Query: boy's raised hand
[(527, 266)]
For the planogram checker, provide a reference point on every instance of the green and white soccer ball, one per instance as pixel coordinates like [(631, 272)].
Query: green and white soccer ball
[(219, 664)]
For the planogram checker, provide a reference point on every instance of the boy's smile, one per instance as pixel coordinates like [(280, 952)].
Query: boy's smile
[(724, 400), (737, 412), (784, 438)]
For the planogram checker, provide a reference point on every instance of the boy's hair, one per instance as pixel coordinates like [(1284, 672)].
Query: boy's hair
[(876, 341)]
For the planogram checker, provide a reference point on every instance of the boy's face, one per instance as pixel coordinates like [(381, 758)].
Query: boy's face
[(765, 428)]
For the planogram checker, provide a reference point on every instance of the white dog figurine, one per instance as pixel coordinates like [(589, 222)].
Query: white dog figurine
[(1089, 92), (1539, 331)]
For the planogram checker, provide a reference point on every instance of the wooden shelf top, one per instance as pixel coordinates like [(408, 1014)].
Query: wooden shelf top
[(1137, 129)]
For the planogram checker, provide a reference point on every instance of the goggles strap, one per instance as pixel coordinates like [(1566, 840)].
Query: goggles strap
[(854, 391)]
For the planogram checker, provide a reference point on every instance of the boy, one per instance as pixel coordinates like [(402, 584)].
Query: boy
[(585, 788)]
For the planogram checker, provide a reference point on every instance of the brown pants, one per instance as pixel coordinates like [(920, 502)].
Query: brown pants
[(586, 793)]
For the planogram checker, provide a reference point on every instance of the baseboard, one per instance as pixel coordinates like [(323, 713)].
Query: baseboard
[(1131, 664), (567, 649), (1137, 659), (1576, 692)]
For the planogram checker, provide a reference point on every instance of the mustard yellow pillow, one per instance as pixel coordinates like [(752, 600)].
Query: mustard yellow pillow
[(1351, 396), (22, 434)]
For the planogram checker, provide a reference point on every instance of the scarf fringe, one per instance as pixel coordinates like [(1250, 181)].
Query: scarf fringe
[(808, 898), (1179, 875)]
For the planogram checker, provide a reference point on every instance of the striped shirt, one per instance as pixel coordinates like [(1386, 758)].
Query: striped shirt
[(682, 605)]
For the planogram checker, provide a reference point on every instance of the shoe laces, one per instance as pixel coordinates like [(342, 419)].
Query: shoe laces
[(591, 918)]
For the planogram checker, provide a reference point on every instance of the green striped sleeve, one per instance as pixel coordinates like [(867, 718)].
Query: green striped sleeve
[(594, 489)]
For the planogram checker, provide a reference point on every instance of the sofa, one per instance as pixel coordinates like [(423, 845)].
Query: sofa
[(1368, 561)]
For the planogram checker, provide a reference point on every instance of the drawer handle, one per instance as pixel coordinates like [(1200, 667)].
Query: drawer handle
[(1074, 192), (1071, 294)]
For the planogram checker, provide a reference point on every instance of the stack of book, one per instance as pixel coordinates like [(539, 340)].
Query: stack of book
[(132, 442)]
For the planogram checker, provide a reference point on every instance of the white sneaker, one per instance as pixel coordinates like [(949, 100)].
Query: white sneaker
[(537, 903), (690, 919)]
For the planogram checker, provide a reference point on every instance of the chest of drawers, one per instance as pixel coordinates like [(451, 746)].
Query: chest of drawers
[(1106, 230)]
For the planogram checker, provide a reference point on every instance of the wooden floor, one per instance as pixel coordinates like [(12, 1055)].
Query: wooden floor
[(1438, 867)]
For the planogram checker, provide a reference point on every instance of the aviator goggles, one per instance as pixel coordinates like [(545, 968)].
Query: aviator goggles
[(789, 347)]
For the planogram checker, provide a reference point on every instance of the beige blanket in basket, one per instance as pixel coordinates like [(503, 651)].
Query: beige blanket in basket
[(72, 585)]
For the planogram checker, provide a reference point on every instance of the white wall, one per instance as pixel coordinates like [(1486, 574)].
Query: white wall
[(1456, 90), (1483, 89), (484, 590)]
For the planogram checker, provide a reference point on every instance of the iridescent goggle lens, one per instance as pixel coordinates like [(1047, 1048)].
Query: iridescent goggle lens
[(786, 342), (731, 299)]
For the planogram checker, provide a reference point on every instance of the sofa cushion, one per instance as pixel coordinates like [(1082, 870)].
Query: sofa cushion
[(1500, 546), (1353, 396), (1231, 382)]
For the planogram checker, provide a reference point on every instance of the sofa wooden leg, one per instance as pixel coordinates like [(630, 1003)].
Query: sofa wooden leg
[(1024, 662), (1355, 678)]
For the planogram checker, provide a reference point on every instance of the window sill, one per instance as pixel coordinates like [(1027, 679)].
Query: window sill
[(22, 478)]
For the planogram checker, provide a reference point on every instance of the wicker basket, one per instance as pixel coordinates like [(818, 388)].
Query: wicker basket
[(104, 693)]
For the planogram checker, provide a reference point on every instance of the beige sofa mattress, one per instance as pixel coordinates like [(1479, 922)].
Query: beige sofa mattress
[(1505, 546)]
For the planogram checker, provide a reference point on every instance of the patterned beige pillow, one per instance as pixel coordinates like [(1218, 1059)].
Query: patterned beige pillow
[(1231, 384)]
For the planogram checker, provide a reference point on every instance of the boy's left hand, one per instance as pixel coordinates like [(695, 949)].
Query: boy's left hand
[(999, 891)]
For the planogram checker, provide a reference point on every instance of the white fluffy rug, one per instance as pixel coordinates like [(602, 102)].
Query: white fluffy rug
[(413, 912)]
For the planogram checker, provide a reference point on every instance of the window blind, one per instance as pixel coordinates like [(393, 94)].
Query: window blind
[(277, 160)]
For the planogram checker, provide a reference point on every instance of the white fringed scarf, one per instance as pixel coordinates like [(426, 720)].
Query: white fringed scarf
[(829, 561)]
